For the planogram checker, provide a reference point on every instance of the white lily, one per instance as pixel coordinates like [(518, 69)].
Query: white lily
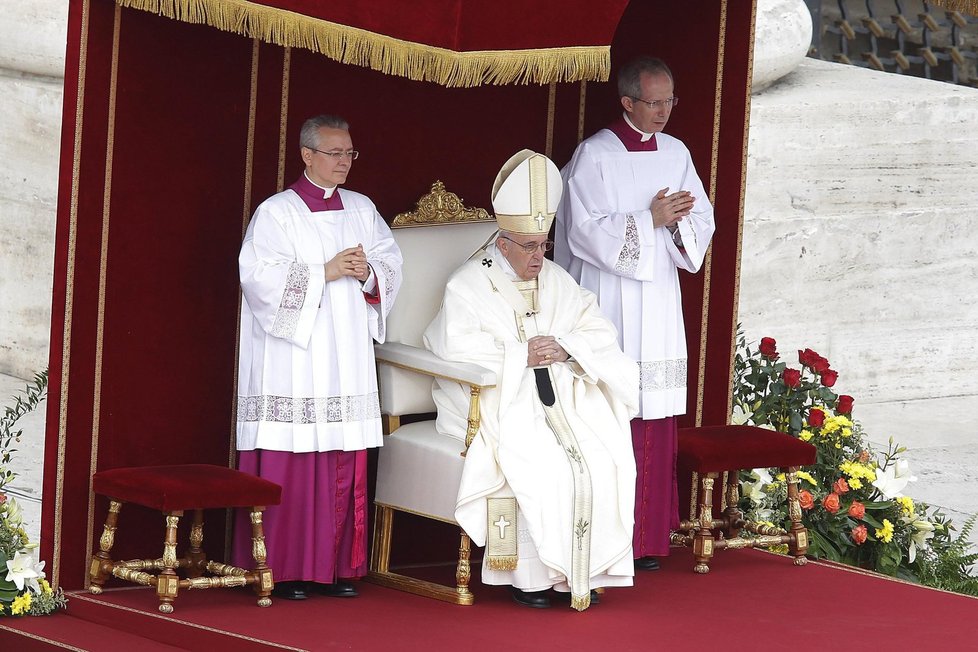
[(739, 417), (923, 531), (22, 570), (894, 478), (15, 517)]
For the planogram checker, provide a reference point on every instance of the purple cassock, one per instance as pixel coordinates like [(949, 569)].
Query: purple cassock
[(654, 441), (318, 532)]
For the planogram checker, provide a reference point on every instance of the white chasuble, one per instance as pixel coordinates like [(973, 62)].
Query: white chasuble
[(516, 453), (606, 241), (306, 380)]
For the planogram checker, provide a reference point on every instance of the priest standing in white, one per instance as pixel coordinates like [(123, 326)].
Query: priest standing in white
[(319, 274), (634, 213), (548, 481)]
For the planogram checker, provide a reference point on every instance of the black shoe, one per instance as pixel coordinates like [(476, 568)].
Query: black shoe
[(338, 590), (290, 590), (535, 599), (647, 563)]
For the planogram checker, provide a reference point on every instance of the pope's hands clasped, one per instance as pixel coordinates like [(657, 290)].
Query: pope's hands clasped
[(544, 350)]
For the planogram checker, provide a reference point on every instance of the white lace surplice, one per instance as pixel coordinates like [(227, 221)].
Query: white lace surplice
[(606, 241), (306, 378)]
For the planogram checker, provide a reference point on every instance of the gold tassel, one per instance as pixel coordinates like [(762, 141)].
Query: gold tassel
[(385, 54), (967, 6), (581, 602), (502, 563)]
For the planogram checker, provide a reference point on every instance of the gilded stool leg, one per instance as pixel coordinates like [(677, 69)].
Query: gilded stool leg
[(167, 583), (733, 518), (265, 583), (101, 566), (798, 544), (195, 555), (703, 537)]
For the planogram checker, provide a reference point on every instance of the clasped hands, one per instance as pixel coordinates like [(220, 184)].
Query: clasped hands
[(669, 210), (544, 350), (349, 262)]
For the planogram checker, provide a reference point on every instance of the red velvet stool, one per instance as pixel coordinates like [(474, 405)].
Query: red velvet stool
[(709, 452), (172, 490)]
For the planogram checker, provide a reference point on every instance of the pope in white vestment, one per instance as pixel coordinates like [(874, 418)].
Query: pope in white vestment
[(568, 464), (319, 274), (634, 213)]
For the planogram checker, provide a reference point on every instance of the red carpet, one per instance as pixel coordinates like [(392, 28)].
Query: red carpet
[(749, 596)]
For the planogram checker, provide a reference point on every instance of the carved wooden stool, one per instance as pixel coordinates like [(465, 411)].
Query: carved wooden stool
[(711, 452), (172, 490)]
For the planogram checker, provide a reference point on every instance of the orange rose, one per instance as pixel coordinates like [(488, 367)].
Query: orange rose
[(859, 534), (857, 509), (864, 456), (841, 486), (806, 499), (831, 502)]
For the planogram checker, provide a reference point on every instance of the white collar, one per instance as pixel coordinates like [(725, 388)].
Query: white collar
[(645, 136), (327, 192)]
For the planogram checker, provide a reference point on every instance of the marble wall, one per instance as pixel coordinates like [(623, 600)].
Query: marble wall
[(32, 45), (859, 234)]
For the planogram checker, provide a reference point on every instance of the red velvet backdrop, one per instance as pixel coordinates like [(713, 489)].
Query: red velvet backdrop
[(165, 153)]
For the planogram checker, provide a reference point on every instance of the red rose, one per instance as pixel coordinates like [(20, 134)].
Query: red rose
[(792, 377), (807, 357), (820, 365), (831, 503), (857, 509), (859, 534), (844, 406), (769, 348), (829, 377), (816, 418), (841, 486), (806, 499)]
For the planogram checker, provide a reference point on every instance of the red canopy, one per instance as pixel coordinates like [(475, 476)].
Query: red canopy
[(449, 42)]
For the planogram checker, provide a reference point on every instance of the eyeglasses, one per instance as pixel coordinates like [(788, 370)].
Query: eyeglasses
[(531, 247), (336, 156), (654, 104)]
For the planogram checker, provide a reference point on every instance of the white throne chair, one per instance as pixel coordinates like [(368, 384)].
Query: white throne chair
[(419, 469)]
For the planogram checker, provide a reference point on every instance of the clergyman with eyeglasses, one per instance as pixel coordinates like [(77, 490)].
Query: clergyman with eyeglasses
[(319, 274), (548, 481), (634, 213)]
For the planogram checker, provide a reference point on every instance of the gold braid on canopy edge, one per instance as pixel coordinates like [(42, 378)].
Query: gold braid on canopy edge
[(386, 54), (966, 6)]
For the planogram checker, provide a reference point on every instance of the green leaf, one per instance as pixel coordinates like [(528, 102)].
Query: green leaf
[(794, 422), (886, 504)]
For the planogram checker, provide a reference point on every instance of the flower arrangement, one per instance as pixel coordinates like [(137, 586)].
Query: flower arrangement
[(852, 498), (23, 589)]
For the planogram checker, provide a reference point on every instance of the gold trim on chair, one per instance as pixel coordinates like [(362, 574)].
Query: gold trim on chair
[(439, 206)]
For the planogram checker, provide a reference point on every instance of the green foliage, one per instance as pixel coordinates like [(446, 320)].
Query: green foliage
[(36, 597), (950, 561), (33, 394)]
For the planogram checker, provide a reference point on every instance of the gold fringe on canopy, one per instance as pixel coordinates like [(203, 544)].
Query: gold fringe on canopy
[(966, 6), (385, 54)]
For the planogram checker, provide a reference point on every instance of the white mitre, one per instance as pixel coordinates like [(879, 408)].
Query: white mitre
[(526, 193)]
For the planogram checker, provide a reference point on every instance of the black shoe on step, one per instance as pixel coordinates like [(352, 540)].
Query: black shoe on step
[(290, 590), (647, 563), (535, 599), (338, 589)]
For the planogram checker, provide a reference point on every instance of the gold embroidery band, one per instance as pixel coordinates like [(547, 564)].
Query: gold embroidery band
[(502, 533), (385, 54), (967, 6)]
